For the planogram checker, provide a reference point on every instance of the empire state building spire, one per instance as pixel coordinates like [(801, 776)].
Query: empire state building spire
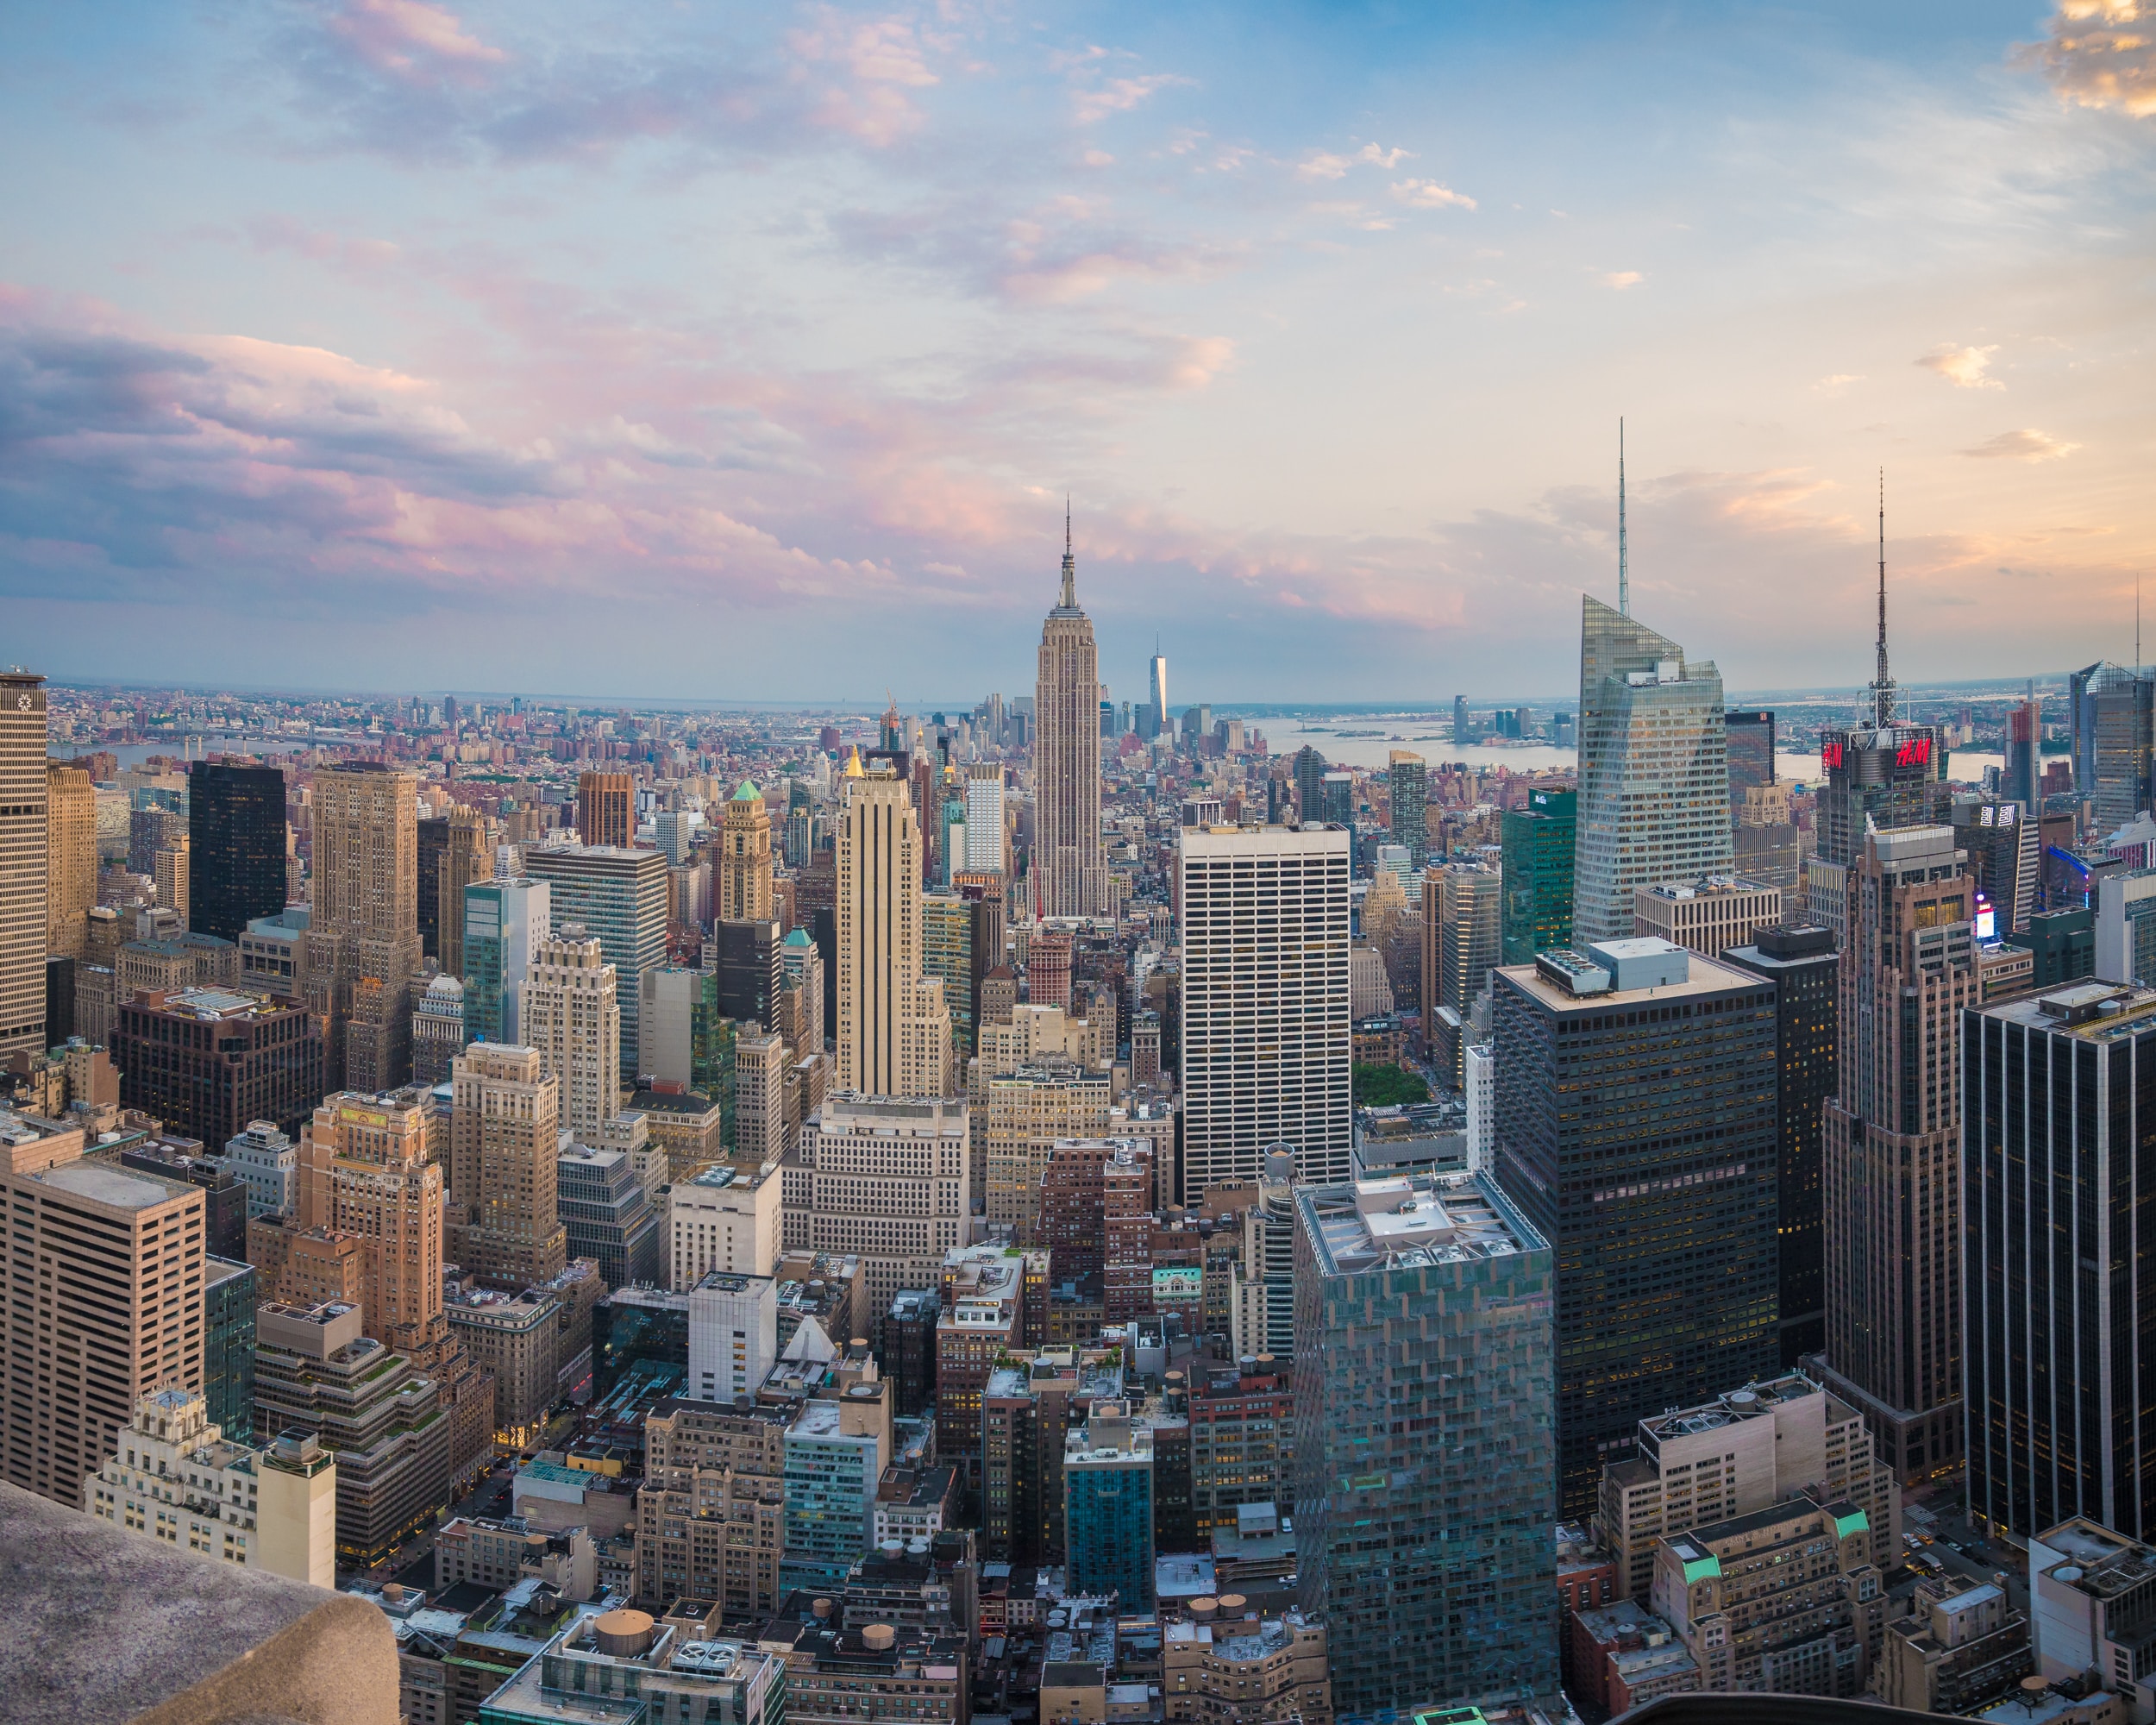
[(1070, 600)]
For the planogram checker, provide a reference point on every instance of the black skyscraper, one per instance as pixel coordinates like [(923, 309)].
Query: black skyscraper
[(235, 835), (1804, 966), (1636, 1130), (748, 969), (2057, 1093), (434, 840)]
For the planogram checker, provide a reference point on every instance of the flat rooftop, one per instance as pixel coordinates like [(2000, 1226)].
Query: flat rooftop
[(2091, 1012), (1410, 1222), (1705, 976), (122, 1190)]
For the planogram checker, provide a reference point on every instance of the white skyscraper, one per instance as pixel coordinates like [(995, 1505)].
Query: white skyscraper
[(1266, 1033), (1654, 770), (984, 818), (733, 1335), (1157, 685)]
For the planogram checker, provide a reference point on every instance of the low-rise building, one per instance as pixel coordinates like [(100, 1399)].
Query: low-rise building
[(497, 1554), (1244, 1670), (2090, 1590), (622, 1667), (1742, 1451), (174, 1476), (1958, 1647), (914, 1503), (839, 1675), (1622, 1655), (1786, 1599)]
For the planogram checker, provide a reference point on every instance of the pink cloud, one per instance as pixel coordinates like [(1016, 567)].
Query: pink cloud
[(413, 42)]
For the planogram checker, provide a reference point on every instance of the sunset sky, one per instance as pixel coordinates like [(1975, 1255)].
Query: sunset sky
[(748, 351)]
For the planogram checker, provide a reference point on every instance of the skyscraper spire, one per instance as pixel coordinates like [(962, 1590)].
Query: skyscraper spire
[(1624, 575), (1070, 600), (1883, 685)]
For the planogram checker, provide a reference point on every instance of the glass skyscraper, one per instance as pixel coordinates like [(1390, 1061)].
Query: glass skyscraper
[(1750, 738), (1538, 844), (504, 920), (228, 1345), (1407, 781), (2112, 709), (620, 896), (1654, 770), (1425, 1453), (1636, 1129), (2053, 1230), (235, 843)]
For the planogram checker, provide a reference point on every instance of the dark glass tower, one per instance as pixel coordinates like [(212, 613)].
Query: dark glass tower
[(235, 836), (434, 840), (1750, 736), (1538, 843), (1804, 968), (1636, 1130), (2057, 1091)]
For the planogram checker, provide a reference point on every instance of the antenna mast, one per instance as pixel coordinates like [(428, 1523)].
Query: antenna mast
[(1624, 575), (1883, 685)]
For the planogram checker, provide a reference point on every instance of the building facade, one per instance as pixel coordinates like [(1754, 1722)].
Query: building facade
[(1267, 1039), (2050, 1170), (1070, 869), (1657, 1198), (1804, 967), (1654, 770), (1891, 1154), (619, 897), (1422, 1391)]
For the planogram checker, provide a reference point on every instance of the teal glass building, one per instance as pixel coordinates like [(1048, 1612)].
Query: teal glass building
[(1425, 1453)]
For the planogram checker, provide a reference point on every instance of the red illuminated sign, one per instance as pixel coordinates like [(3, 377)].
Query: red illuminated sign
[(1917, 752), (1830, 756)]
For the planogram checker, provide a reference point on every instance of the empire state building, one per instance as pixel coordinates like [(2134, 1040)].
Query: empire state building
[(1070, 871)]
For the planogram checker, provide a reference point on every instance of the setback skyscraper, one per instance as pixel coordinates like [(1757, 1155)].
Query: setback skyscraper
[(236, 846), (365, 910), (1892, 1145), (1654, 770), (1636, 1130), (888, 1012), (1069, 867)]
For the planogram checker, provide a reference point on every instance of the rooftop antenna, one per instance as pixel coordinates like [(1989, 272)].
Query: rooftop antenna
[(1883, 685), (1623, 577), (1070, 568)]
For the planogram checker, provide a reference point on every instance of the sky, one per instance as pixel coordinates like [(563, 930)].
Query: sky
[(751, 352)]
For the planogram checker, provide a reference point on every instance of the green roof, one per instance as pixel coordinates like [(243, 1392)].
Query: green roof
[(1702, 1568), (798, 937), (748, 793), (1854, 1521)]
